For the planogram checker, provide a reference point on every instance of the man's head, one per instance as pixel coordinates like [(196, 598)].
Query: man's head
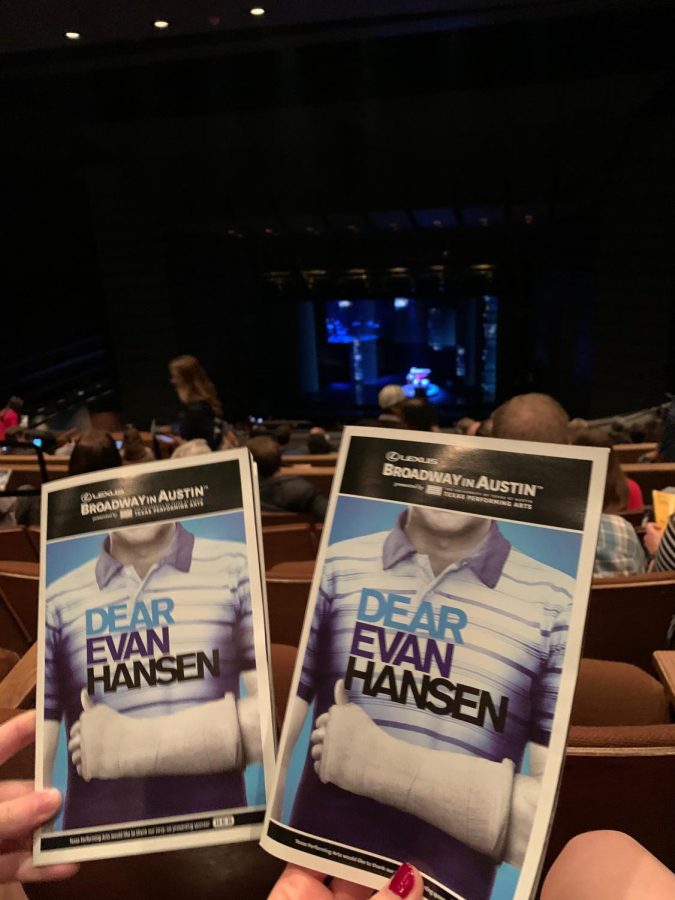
[(531, 417), (283, 434), (95, 450), (391, 398), (266, 452), (419, 415)]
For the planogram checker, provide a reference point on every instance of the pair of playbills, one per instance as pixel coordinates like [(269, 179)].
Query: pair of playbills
[(431, 699)]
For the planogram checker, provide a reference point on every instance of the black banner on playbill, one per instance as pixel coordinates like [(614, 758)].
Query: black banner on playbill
[(438, 661), (539, 489), (152, 673)]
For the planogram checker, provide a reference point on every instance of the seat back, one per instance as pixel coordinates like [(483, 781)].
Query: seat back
[(615, 693), (285, 518), (20, 600), (650, 476), (631, 453), (283, 543), (16, 544), (283, 664), (608, 784), (628, 618), (286, 602)]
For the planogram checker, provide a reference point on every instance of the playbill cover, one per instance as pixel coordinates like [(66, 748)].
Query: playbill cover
[(432, 694), (154, 710)]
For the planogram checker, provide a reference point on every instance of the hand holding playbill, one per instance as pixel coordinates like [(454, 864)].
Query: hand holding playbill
[(22, 809)]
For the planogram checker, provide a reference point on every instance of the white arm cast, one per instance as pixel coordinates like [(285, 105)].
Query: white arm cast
[(467, 797), (218, 736)]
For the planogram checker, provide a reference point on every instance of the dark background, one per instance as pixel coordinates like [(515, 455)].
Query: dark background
[(182, 191)]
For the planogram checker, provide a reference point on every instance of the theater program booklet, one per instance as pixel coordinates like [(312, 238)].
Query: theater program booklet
[(154, 709), (432, 694)]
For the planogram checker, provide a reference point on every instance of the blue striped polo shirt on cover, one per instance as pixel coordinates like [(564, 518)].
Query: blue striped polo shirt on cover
[(499, 686), (206, 584)]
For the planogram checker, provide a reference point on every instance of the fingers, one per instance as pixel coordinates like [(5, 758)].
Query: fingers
[(407, 882), (340, 693), (86, 701), (345, 890), (19, 867), (24, 813), (296, 883), (10, 790), (16, 734)]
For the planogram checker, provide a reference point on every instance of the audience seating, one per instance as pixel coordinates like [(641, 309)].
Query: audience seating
[(650, 476), (631, 453), (620, 778), (293, 570), (18, 609), (16, 544), (286, 604), (33, 532), (288, 542), (283, 663), (309, 459), (17, 692), (616, 693), (285, 518), (628, 617)]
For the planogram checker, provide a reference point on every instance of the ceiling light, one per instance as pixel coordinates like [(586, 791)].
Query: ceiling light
[(73, 35), (160, 23), (257, 11)]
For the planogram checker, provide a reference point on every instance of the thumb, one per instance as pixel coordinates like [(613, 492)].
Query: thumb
[(407, 882), (86, 701), (340, 693)]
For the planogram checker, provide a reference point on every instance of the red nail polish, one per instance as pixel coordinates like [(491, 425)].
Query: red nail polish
[(403, 881)]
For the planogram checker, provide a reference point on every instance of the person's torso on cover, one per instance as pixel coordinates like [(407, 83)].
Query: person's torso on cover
[(199, 591), (487, 695)]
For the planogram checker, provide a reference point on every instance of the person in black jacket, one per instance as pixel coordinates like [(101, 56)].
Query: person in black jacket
[(280, 492), (201, 411)]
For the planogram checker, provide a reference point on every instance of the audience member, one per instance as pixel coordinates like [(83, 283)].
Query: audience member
[(419, 415), (390, 400), (95, 450), (195, 447), (463, 425), (618, 551), (318, 443), (280, 492), (531, 417), (201, 411), (9, 415), (133, 449)]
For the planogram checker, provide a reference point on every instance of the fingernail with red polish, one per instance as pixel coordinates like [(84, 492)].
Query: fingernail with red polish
[(403, 881)]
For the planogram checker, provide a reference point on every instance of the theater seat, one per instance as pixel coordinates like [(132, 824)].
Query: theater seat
[(614, 693)]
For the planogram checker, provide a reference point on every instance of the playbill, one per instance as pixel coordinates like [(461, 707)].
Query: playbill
[(154, 711), (435, 676)]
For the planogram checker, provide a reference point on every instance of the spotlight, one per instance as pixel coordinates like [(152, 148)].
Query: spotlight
[(73, 35), (160, 23), (257, 11)]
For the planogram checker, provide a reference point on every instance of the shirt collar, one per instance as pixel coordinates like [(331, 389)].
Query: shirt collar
[(178, 554), (486, 562)]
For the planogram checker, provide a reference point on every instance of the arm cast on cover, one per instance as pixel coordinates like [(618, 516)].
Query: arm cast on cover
[(467, 797), (202, 740)]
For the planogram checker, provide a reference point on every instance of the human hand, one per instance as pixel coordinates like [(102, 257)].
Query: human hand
[(22, 809), (652, 537), (298, 883)]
